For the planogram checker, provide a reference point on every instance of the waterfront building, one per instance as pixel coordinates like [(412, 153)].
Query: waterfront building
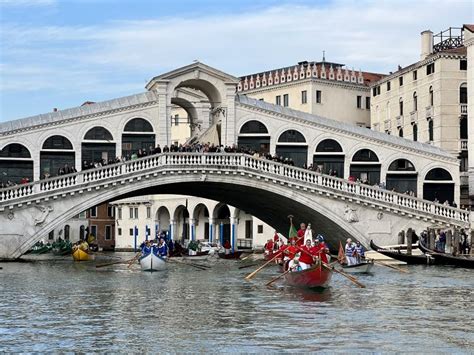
[(427, 101), (101, 223), (186, 218)]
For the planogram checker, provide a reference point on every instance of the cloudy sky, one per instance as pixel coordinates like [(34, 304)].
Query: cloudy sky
[(60, 53)]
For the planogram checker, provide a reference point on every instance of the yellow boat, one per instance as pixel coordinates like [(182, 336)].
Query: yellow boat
[(81, 255)]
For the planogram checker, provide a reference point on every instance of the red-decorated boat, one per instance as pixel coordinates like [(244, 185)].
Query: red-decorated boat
[(317, 276)]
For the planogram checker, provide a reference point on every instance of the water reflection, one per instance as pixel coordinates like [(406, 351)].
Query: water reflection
[(56, 305)]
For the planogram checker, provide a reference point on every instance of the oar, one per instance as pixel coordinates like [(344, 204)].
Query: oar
[(248, 256), (276, 278), (188, 264), (135, 258), (391, 266), (252, 274), (349, 277)]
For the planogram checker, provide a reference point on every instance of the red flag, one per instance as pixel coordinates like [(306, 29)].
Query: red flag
[(341, 256)]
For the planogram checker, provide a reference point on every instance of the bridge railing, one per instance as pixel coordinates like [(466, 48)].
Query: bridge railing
[(226, 160)]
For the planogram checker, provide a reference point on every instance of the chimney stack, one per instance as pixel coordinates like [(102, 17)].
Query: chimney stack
[(426, 44)]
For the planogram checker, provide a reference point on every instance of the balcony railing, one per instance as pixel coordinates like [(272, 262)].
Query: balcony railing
[(387, 125), (399, 121), (429, 111), (414, 117), (463, 144), (463, 109)]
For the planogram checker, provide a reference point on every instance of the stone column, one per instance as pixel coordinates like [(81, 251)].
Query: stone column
[(456, 239), (409, 241), (449, 241), (221, 233), (401, 237), (192, 229), (431, 239), (172, 229), (233, 233), (211, 230)]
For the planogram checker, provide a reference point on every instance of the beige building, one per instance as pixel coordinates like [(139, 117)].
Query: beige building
[(427, 101), (325, 89)]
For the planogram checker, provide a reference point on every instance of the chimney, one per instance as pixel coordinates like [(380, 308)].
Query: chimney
[(426, 44)]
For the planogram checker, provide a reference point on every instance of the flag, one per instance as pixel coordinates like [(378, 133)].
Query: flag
[(341, 256), (292, 233)]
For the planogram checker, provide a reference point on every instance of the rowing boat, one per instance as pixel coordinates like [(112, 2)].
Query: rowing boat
[(151, 262), (234, 255), (81, 255), (448, 259), (314, 277), (397, 255), (360, 268)]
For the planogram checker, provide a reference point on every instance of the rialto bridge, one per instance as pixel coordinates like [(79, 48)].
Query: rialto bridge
[(336, 206)]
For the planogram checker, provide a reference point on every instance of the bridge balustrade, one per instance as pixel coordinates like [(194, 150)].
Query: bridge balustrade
[(226, 161)]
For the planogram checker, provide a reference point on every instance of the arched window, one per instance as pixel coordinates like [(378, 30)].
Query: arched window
[(430, 130), (57, 142), (365, 155), (463, 93), (401, 165), (328, 146), (400, 132), (415, 132), (291, 136), (138, 125), (431, 96), (67, 229), (15, 150), (415, 102), (98, 134), (438, 174), (253, 127)]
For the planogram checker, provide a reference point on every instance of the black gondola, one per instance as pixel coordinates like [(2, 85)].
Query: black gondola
[(448, 259), (397, 255)]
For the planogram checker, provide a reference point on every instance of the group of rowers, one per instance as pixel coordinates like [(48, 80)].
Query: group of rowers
[(298, 255), (159, 248)]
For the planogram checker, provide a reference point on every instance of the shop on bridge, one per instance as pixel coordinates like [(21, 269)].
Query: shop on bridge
[(329, 158), (138, 134), (254, 136), (365, 166), (57, 153), (98, 145), (438, 186), (402, 177), (292, 144), (16, 164)]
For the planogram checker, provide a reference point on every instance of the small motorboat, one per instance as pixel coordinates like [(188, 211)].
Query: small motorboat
[(363, 267), (235, 255), (317, 276), (80, 255), (151, 262)]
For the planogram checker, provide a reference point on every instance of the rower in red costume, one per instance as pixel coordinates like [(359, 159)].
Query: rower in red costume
[(269, 245), (319, 249), (306, 257), (275, 237), (301, 233)]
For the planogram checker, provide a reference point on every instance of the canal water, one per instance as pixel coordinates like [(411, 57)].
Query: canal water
[(61, 306)]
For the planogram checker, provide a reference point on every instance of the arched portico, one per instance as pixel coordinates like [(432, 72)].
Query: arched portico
[(162, 220)]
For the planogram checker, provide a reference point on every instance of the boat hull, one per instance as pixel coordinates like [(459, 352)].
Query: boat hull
[(315, 277), (448, 259), (362, 268), (397, 255), (234, 255), (81, 255), (151, 262)]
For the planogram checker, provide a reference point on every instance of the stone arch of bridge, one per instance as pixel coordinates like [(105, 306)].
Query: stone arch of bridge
[(269, 202)]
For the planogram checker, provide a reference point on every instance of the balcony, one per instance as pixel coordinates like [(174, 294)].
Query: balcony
[(414, 117), (463, 109), (463, 144), (429, 111), (399, 121), (387, 125)]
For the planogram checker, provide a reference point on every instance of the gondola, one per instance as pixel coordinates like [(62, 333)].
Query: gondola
[(81, 255), (151, 262), (235, 255), (397, 255), (361, 268), (314, 277), (448, 259)]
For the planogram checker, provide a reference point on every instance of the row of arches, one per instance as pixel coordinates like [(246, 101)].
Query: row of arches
[(58, 152), (365, 165)]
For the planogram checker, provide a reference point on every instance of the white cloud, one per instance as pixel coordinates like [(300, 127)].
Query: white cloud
[(370, 35)]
